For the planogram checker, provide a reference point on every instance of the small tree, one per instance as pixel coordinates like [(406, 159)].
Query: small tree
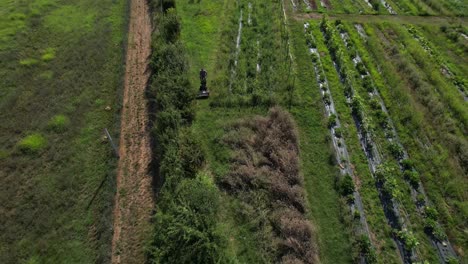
[(346, 185), (332, 120), (408, 239)]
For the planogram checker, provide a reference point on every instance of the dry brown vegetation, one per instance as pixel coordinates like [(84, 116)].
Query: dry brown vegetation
[(265, 173)]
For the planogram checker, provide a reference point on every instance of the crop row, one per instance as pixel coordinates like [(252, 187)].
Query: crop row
[(385, 178), (346, 181), (409, 7), (436, 139), (258, 55), (411, 175), (422, 139)]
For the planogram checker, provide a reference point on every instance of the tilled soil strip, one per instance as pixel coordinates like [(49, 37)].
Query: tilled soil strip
[(134, 198)]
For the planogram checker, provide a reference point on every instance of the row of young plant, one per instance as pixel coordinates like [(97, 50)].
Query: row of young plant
[(414, 7), (411, 175), (258, 56), (431, 7), (427, 149), (429, 76), (380, 165), (408, 7), (458, 80), (440, 98), (347, 177), (382, 234), (187, 201)]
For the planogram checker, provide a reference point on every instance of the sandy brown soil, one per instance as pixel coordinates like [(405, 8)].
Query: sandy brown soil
[(134, 198)]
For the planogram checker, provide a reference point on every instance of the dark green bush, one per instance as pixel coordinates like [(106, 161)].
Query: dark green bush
[(332, 120), (185, 232), (170, 26), (396, 150), (412, 176), (346, 185), (191, 153), (366, 249)]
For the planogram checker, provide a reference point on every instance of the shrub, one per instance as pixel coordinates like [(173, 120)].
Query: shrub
[(332, 120), (32, 143), (366, 249), (346, 185), (408, 238), (431, 213), (338, 132), (185, 230), (412, 176), (191, 153), (433, 228), (407, 164), (170, 26), (361, 68), (59, 123), (167, 4), (367, 83), (391, 188), (357, 107), (396, 150), (326, 98), (166, 129)]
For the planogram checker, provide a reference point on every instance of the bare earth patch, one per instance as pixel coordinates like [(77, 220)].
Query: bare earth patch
[(134, 198)]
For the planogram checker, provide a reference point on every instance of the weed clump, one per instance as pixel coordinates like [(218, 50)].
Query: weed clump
[(59, 123), (48, 55), (32, 144), (28, 62)]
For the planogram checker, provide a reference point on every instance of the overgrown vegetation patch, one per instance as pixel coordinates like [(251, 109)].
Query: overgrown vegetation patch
[(265, 178)]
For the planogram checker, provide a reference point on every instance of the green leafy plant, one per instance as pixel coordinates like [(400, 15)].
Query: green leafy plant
[(408, 239), (32, 143), (59, 123)]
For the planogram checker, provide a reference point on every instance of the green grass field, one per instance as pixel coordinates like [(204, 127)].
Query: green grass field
[(397, 72), (61, 65)]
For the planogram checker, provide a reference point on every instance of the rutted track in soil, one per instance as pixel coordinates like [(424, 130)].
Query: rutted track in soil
[(134, 199)]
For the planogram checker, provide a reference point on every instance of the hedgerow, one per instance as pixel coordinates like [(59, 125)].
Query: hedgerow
[(187, 204)]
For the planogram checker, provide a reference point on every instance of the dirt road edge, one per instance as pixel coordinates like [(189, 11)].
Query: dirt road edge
[(134, 199)]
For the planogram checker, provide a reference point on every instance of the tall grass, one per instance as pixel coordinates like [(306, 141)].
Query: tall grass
[(265, 174)]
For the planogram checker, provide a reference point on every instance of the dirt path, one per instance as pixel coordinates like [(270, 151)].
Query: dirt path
[(134, 199)]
